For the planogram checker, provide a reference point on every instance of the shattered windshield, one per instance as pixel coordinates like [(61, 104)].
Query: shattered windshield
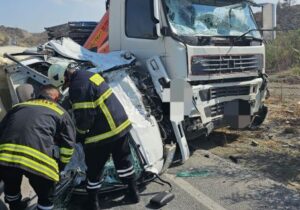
[(210, 18)]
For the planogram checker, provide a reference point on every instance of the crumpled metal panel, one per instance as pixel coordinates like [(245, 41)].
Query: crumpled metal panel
[(103, 62)]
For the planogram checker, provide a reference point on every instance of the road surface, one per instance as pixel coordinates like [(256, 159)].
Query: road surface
[(221, 185)]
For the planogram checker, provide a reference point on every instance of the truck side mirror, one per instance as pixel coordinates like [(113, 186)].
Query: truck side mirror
[(156, 7), (269, 21)]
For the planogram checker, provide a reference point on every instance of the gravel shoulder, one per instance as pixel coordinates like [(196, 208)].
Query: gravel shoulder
[(272, 149)]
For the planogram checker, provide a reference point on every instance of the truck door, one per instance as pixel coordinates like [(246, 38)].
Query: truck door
[(138, 33)]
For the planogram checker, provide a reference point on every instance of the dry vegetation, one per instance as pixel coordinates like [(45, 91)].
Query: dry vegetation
[(274, 148), (19, 37)]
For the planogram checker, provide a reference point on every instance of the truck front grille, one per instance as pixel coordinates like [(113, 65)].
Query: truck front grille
[(215, 110), (218, 92), (212, 64)]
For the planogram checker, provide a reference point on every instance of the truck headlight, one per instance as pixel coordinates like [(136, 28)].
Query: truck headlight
[(198, 65)]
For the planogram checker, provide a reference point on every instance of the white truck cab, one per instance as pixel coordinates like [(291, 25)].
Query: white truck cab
[(206, 59), (197, 66)]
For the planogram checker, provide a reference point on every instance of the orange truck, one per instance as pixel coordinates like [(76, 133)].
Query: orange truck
[(98, 40)]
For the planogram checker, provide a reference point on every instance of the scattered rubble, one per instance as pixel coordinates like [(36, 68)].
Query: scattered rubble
[(273, 148), (290, 130), (77, 31), (254, 143), (234, 158)]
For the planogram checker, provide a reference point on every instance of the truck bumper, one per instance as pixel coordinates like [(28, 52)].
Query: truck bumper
[(240, 101)]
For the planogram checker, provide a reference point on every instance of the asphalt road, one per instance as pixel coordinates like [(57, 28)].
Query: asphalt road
[(219, 185)]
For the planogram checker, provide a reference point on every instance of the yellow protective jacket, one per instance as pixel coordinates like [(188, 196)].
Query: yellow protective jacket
[(30, 134), (98, 113)]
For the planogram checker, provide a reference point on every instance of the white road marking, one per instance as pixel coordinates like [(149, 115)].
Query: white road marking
[(195, 193)]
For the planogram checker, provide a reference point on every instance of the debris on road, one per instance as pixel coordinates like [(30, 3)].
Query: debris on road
[(234, 158), (290, 130), (254, 143), (193, 172), (206, 155)]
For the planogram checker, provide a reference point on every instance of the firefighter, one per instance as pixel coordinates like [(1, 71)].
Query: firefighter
[(103, 126), (30, 133)]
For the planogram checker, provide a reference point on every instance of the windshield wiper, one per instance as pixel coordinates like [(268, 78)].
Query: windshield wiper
[(247, 32)]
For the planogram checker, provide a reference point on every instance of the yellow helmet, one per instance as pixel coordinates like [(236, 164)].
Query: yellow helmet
[(56, 73)]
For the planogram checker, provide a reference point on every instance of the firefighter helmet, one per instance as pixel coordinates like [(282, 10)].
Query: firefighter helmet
[(56, 73)]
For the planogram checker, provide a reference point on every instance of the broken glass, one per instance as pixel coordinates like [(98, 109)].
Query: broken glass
[(210, 18), (74, 174)]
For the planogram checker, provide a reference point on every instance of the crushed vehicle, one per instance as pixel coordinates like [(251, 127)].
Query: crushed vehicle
[(181, 68), (27, 76), (206, 60)]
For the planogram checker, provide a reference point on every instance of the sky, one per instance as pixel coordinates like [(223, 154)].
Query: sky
[(34, 15)]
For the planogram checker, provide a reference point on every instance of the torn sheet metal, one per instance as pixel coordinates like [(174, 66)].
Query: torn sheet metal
[(145, 131), (103, 62)]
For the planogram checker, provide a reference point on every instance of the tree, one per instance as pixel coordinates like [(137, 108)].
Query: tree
[(289, 2)]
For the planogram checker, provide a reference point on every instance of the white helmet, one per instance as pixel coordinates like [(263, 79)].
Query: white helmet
[(56, 73)]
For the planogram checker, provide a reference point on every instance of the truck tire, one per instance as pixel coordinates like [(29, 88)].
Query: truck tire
[(25, 92), (260, 117)]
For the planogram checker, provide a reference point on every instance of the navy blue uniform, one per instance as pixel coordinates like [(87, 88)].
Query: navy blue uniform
[(103, 125), (29, 134)]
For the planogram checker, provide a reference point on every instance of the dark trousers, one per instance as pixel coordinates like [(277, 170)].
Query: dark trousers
[(97, 155), (12, 178)]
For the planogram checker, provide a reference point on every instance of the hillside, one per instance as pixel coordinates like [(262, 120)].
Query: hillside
[(16, 36), (288, 18)]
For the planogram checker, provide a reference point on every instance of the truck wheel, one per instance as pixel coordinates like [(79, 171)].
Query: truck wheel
[(260, 117), (25, 92)]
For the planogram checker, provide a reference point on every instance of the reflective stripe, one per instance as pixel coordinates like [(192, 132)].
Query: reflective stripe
[(94, 187), (43, 103), (10, 198), (125, 175), (13, 196), (65, 159), (96, 79), (95, 183), (45, 207), (106, 135), (66, 151), (108, 116), (31, 152), (125, 170), (30, 164), (81, 131), (93, 104)]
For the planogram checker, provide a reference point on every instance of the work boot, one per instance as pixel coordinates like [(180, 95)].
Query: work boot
[(19, 205), (93, 201), (133, 194)]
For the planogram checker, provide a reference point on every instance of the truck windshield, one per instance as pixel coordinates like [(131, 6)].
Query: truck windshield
[(210, 18)]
